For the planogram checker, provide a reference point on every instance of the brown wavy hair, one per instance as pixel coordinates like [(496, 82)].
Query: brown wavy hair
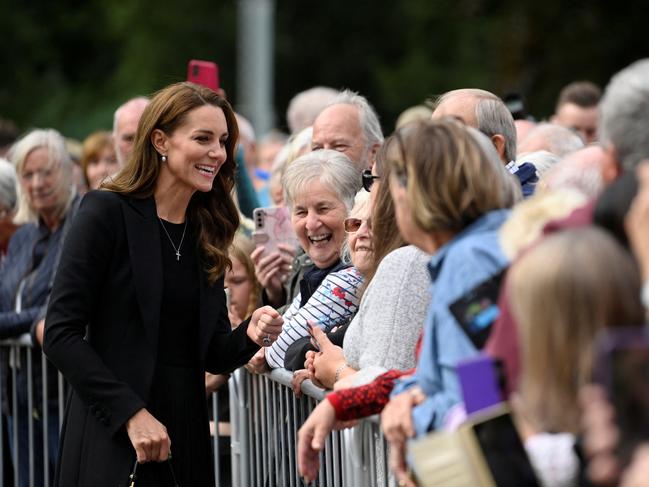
[(213, 214), (385, 233), (450, 179)]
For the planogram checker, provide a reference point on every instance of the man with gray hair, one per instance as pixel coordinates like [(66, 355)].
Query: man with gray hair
[(486, 112), (349, 125), (125, 121)]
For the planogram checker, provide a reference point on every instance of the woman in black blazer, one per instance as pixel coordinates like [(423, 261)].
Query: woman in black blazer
[(138, 311)]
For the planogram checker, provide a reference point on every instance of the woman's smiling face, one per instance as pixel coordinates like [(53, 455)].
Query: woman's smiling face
[(360, 241), (317, 217)]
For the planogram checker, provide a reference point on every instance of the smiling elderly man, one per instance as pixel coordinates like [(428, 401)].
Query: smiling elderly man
[(349, 125)]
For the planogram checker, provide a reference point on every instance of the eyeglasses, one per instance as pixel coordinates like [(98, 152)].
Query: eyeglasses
[(368, 180), (353, 224)]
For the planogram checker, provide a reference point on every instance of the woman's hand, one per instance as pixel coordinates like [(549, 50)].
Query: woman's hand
[(397, 425), (40, 332), (149, 437), (299, 376), (273, 270), (213, 382), (328, 360), (265, 326), (311, 439), (257, 364)]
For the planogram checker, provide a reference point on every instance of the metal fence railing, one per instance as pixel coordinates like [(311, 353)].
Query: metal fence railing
[(265, 416), (32, 396)]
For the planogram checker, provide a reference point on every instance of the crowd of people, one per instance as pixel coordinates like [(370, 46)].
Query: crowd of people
[(473, 231)]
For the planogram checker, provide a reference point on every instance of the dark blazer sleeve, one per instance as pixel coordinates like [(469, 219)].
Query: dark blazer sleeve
[(228, 350), (83, 267)]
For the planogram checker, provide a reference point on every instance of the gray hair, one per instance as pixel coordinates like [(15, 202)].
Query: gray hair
[(304, 107), (624, 114), (8, 183), (492, 116), (510, 184), (59, 160), (367, 117), (331, 168), (133, 102), (554, 138)]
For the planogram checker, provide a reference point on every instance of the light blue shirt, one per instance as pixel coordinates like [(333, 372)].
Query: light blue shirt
[(473, 256)]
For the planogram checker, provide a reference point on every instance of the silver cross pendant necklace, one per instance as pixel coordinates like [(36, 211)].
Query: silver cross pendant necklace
[(177, 249)]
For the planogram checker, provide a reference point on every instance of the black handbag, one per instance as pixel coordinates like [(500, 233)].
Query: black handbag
[(133, 476)]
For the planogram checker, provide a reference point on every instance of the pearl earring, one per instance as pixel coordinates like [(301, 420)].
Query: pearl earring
[(164, 158)]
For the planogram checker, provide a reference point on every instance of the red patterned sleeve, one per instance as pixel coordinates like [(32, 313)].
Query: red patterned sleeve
[(363, 401)]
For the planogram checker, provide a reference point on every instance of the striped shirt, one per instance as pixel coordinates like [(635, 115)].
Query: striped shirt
[(333, 303)]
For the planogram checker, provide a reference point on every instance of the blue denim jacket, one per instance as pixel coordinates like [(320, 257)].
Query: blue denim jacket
[(470, 258)]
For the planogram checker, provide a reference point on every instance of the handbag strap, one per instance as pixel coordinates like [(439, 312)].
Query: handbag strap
[(133, 476)]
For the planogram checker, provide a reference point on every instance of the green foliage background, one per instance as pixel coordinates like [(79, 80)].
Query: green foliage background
[(68, 64)]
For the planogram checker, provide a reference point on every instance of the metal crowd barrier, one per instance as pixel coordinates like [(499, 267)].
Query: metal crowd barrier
[(265, 416), (41, 413)]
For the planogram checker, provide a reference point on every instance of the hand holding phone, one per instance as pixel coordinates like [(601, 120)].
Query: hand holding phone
[(314, 340), (272, 228)]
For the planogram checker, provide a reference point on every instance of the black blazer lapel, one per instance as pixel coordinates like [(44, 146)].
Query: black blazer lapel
[(143, 234)]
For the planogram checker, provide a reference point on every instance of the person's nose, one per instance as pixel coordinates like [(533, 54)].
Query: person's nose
[(364, 231), (37, 181), (218, 153), (312, 221)]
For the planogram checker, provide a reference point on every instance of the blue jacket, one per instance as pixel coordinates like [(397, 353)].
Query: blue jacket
[(470, 258)]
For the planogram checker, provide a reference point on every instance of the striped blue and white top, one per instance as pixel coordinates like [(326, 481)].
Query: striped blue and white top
[(333, 303)]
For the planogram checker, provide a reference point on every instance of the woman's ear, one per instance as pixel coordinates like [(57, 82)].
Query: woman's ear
[(159, 141)]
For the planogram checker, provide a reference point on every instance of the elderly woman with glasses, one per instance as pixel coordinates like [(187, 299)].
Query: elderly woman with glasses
[(46, 200)]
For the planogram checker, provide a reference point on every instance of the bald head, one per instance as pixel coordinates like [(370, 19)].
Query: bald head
[(482, 110), (125, 121), (459, 104)]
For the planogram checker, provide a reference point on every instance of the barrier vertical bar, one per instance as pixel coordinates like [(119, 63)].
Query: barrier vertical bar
[(15, 354), (46, 431), (215, 439), (30, 415), (2, 426)]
